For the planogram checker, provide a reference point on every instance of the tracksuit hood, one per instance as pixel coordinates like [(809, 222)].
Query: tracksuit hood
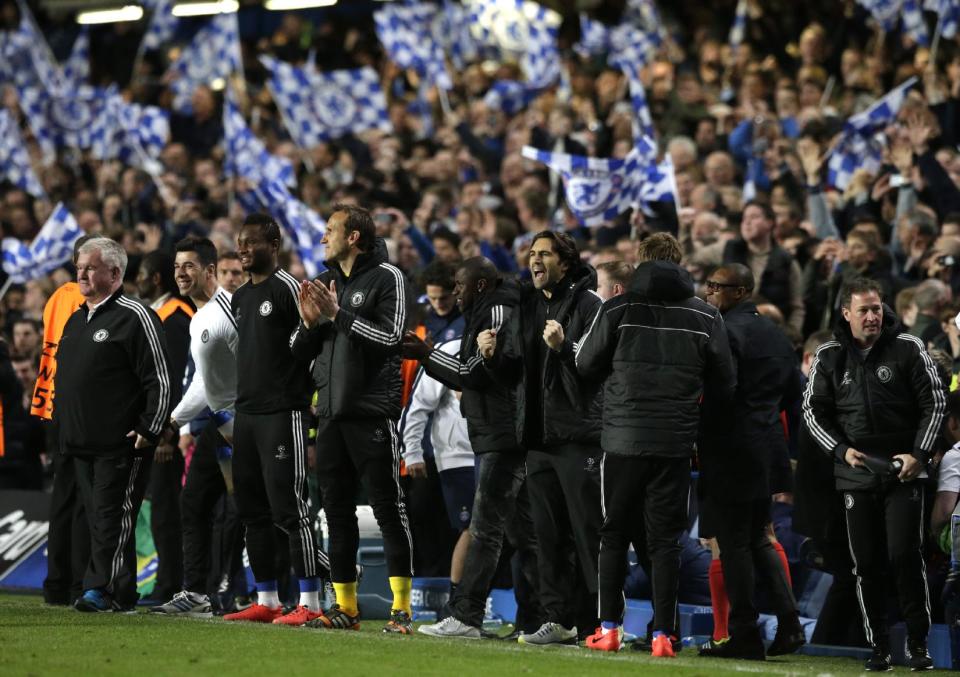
[(662, 280)]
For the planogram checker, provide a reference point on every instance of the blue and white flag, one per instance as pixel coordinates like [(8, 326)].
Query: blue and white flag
[(626, 45), (642, 119), (50, 249), (948, 15), (76, 70), (15, 164), (319, 106), (510, 96), (738, 30), (406, 32), (599, 189), (214, 54), (884, 12), (304, 226), (246, 156), (749, 183), (521, 28), (131, 133), (859, 147), (644, 14), (452, 30), (163, 24), (914, 24)]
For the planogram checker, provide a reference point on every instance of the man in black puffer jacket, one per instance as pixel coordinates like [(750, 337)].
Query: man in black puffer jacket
[(487, 302), (352, 329), (658, 350), (558, 423), (875, 404)]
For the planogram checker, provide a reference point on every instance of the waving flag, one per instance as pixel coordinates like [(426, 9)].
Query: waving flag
[(213, 54), (598, 189), (452, 30), (163, 24), (303, 225), (50, 249), (884, 12), (626, 46), (859, 147), (642, 121), (318, 106), (246, 156), (510, 96), (521, 28), (738, 31), (14, 160), (76, 71), (913, 22), (131, 133), (948, 15), (644, 14), (407, 34)]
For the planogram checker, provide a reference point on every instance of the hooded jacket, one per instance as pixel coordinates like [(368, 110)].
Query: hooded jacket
[(554, 406), (889, 402), (356, 357), (657, 349), (488, 406)]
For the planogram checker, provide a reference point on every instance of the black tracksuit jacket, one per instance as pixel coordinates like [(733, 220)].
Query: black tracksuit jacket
[(113, 376), (356, 358), (891, 402), (658, 349)]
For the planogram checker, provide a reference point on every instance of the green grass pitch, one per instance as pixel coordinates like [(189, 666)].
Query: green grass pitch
[(39, 640)]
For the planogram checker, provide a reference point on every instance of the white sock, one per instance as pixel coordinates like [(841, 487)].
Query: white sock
[(310, 599), (268, 598)]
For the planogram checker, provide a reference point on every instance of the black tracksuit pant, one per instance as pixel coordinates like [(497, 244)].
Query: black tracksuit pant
[(564, 488), (642, 494), (68, 541), (350, 452), (112, 488), (270, 483), (745, 551), (165, 524), (885, 528), (198, 501)]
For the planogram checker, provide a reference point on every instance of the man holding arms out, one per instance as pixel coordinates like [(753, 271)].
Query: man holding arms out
[(113, 399), (874, 402)]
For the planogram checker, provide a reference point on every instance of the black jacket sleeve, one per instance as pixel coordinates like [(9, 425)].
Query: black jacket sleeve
[(819, 404), (383, 332), (147, 347)]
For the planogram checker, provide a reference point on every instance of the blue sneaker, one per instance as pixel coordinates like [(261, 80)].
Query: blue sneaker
[(94, 601)]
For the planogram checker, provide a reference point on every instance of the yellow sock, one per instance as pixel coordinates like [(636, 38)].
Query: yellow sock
[(347, 597), (401, 586)]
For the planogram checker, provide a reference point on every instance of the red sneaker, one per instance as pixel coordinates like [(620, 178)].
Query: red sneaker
[(298, 616), (662, 647), (611, 640), (256, 613)]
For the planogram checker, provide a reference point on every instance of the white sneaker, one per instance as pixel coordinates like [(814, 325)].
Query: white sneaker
[(451, 627), (187, 604), (549, 633)]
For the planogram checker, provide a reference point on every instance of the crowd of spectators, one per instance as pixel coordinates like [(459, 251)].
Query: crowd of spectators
[(765, 113)]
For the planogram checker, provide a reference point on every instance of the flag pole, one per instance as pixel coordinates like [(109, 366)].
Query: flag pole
[(935, 45), (5, 287)]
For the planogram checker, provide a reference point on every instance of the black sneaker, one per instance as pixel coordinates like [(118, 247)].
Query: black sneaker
[(879, 661), (748, 646), (917, 656), (789, 638)]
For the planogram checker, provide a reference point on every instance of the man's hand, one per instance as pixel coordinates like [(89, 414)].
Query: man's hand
[(414, 347), (186, 441), (309, 311), (417, 470), (810, 159), (164, 453), (911, 467), (919, 131), (901, 155), (854, 458), (326, 300), (553, 335), (142, 442), (487, 343)]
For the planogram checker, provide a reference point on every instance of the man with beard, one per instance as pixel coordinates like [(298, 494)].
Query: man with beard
[(270, 428), (558, 423), (487, 301), (875, 404), (736, 507), (352, 326)]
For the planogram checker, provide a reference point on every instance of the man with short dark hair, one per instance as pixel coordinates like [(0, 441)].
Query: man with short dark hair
[(735, 467), (558, 423), (230, 273), (657, 349), (875, 404), (26, 336), (270, 428), (443, 321), (113, 398), (353, 319)]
